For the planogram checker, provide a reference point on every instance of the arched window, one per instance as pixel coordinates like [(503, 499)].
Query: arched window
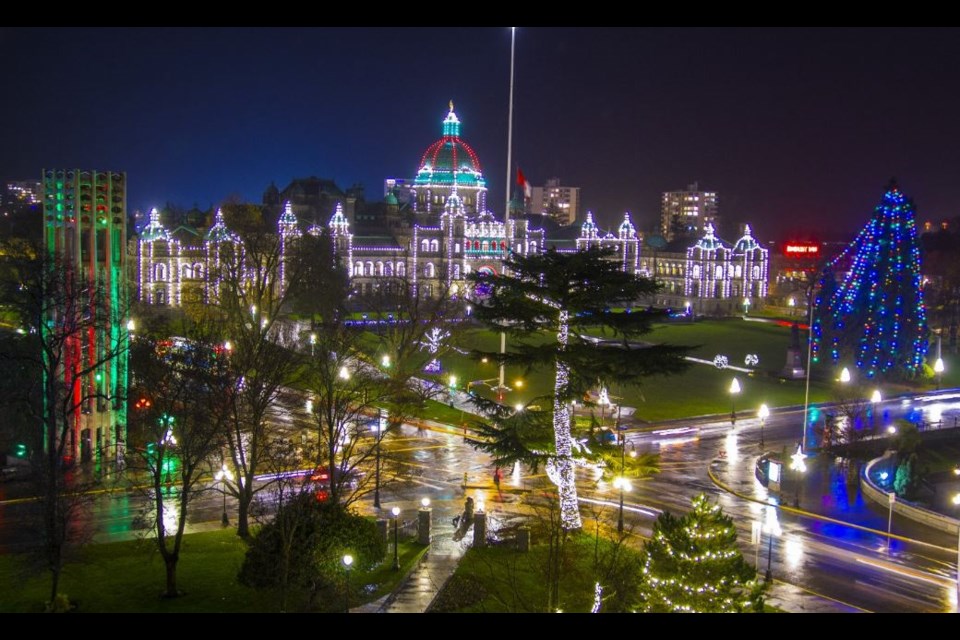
[(456, 247), (425, 245), (476, 245), (533, 247), (456, 272), (185, 272), (369, 270), (718, 273), (161, 296), (358, 269), (738, 272), (198, 271), (379, 268), (160, 273), (466, 246), (401, 269), (434, 245), (485, 246), (388, 269), (503, 246), (517, 248), (696, 271), (429, 271), (756, 272)]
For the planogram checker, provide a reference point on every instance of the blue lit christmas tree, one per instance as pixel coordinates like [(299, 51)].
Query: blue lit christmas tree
[(875, 318)]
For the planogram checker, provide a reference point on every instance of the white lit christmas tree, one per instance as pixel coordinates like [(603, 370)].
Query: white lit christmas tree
[(692, 565)]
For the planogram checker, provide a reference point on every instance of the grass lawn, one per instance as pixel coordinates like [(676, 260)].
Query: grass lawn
[(702, 390), (129, 576), (500, 579)]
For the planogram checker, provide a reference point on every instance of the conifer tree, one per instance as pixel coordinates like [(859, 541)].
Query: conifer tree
[(692, 565)]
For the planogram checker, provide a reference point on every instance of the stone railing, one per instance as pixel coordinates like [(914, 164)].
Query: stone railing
[(874, 492)]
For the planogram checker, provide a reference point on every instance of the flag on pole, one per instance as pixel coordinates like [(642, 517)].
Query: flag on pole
[(522, 181)]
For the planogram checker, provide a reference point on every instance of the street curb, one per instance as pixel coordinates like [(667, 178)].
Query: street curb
[(817, 516)]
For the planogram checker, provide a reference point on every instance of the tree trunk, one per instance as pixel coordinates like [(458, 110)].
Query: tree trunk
[(569, 506), (171, 563), (243, 513), (55, 570)]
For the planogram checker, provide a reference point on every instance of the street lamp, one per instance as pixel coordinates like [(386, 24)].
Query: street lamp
[(385, 362), (396, 537), (313, 342), (622, 484), (344, 373), (845, 375), (956, 501), (376, 486), (347, 562), (518, 407), (763, 413), (875, 400), (746, 306), (734, 390), (224, 476), (799, 466), (131, 325), (938, 369), (772, 527), (686, 306)]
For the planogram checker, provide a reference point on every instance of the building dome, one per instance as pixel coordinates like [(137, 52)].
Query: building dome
[(747, 243), (450, 160), (709, 242), (390, 199)]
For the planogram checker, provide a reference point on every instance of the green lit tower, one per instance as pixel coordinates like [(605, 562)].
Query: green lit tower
[(85, 234)]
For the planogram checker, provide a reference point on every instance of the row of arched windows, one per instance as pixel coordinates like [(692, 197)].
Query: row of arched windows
[(737, 272), (379, 268), (187, 271)]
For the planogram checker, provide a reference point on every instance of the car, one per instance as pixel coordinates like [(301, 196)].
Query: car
[(320, 479)]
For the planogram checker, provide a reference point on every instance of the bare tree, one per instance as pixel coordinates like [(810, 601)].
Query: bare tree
[(412, 329), (344, 391), (59, 311), (250, 299), (181, 388)]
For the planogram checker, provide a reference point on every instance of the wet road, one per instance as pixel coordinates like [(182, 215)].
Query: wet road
[(835, 560)]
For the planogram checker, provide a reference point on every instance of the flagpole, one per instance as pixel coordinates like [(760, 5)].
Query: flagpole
[(506, 209)]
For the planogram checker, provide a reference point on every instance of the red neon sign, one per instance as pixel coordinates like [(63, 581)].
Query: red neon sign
[(797, 249)]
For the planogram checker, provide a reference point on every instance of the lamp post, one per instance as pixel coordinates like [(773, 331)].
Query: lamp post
[(313, 343), (396, 537), (763, 413), (224, 476), (799, 466), (956, 501), (376, 484), (622, 484), (771, 531), (347, 562), (734, 390), (938, 369), (746, 306), (875, 400)]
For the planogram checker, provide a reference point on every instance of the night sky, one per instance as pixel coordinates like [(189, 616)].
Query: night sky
[(798, 130)]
